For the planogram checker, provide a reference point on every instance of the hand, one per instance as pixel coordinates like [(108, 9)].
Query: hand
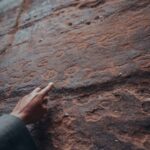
[(32, 107)]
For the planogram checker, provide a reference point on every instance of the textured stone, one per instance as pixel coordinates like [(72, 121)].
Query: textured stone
[(10, 12), (97, 52)]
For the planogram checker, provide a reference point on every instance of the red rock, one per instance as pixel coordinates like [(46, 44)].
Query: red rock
[(97, 54)]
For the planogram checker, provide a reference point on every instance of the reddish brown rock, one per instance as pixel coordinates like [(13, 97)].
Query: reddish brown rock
[(97, 52)]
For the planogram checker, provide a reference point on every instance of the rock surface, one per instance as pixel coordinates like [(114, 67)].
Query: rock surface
[(97, 52)]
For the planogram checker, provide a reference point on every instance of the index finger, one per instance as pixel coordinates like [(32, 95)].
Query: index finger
[(44, 91)]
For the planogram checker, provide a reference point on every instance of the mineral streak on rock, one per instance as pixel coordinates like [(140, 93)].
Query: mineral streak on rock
[(97, 52)]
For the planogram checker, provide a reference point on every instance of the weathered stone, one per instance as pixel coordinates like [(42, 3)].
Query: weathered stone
[(10, 12), (97, 52)]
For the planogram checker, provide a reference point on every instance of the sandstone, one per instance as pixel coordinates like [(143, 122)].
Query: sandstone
[(97, 52)]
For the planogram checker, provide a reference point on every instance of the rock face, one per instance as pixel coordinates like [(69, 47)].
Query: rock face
[(97, 52)]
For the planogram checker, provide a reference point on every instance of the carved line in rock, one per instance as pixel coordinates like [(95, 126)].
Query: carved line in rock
[(14, 29)]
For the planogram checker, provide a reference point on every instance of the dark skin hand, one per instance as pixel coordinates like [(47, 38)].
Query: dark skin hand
[(32, 107)]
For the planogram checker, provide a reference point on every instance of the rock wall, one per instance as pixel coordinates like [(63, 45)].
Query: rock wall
[(97, 52)]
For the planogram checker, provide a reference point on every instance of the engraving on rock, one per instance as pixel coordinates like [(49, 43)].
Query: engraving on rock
[(93, 116), (71, 70), (59, 54), (97, 54), (42, 62), (49, 74), (106, 103)]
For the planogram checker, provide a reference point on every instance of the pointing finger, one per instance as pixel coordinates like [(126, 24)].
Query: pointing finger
[(44, 91)]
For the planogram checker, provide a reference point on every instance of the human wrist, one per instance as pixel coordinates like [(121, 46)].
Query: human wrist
[(20, 116)]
